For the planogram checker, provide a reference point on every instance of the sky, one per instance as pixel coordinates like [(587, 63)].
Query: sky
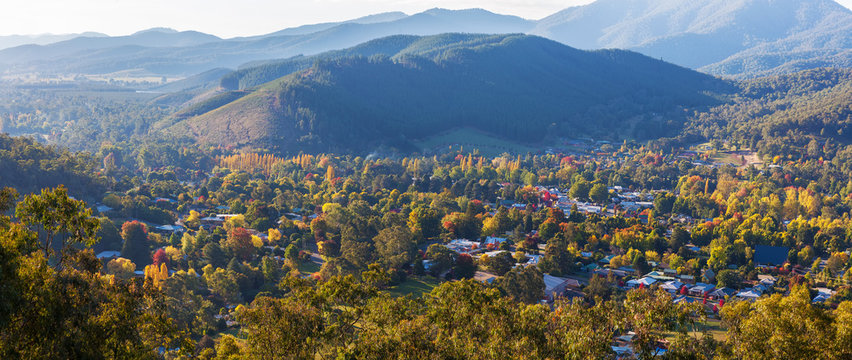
[(230, 18)]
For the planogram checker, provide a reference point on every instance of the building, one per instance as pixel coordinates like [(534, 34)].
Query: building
[(701, 289), (554, 286)]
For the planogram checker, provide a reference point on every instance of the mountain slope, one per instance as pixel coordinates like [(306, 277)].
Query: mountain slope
[(731, 37), (513, 86)]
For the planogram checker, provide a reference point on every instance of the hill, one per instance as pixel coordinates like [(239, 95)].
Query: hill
[(727, 37), (796, 114), (518, 87)]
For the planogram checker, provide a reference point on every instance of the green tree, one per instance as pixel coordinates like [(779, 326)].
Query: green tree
[(57, 217), (523, 283), (395, 246), (135, 235), (580, 190), (501, 263), (599, 193)]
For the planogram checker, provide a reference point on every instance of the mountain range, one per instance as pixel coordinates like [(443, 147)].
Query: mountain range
[(739, 38), (397, 90)]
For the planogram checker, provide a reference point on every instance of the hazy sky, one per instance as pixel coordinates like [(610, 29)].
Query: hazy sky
[(228, 18)]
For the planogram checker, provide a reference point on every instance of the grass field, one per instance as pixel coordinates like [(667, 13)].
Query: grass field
[(415, 286), (472, 139), (713, 327), (308, 267), (736, 157)]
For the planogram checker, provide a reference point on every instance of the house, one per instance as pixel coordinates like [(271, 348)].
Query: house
[(108, 254), (532, 259), (767, 280), (709, 275), (672, 286), (823, 294), (770, 255), (463, 246), (494, 253), (659, 276), (687, 279), (748, 294), (645, 282), (212, 221), (554, 286), (169, 229), (494, 240), (701, 289), (483, 277), (721, 293), (606, 272)]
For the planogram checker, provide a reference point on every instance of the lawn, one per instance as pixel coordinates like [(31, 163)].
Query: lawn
[(308, 267), (713, 327), (415, 286)]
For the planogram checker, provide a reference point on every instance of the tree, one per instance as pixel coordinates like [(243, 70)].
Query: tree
[(779, 327), (465, 268), (501, 263), (395, 246), (664, 203), (122, 268), (599, 193), (523, 283), (728, 278), (425, 221), (640, 264), (598, 287), (160, 257), (72, 312), (580, 190), (281, 328), (52, 214), (135, 235), (441, 257), (240, 244)]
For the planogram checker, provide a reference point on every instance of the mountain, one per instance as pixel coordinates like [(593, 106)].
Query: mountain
[(725, 37), (8, 41), (102, 49), (200, 52), (515, 87), (312, 28)]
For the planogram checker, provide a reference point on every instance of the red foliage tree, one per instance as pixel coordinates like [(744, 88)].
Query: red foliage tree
[(160, 257)]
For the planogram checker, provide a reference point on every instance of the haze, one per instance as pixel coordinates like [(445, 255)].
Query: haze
[(227, 18)]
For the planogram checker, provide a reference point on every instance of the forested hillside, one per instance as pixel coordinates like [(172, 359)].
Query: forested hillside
[(797, 115), (515, 86), (29, 166)]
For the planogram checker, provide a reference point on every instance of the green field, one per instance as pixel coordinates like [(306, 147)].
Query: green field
[(415, 286), (308, 267), (472, 139)]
